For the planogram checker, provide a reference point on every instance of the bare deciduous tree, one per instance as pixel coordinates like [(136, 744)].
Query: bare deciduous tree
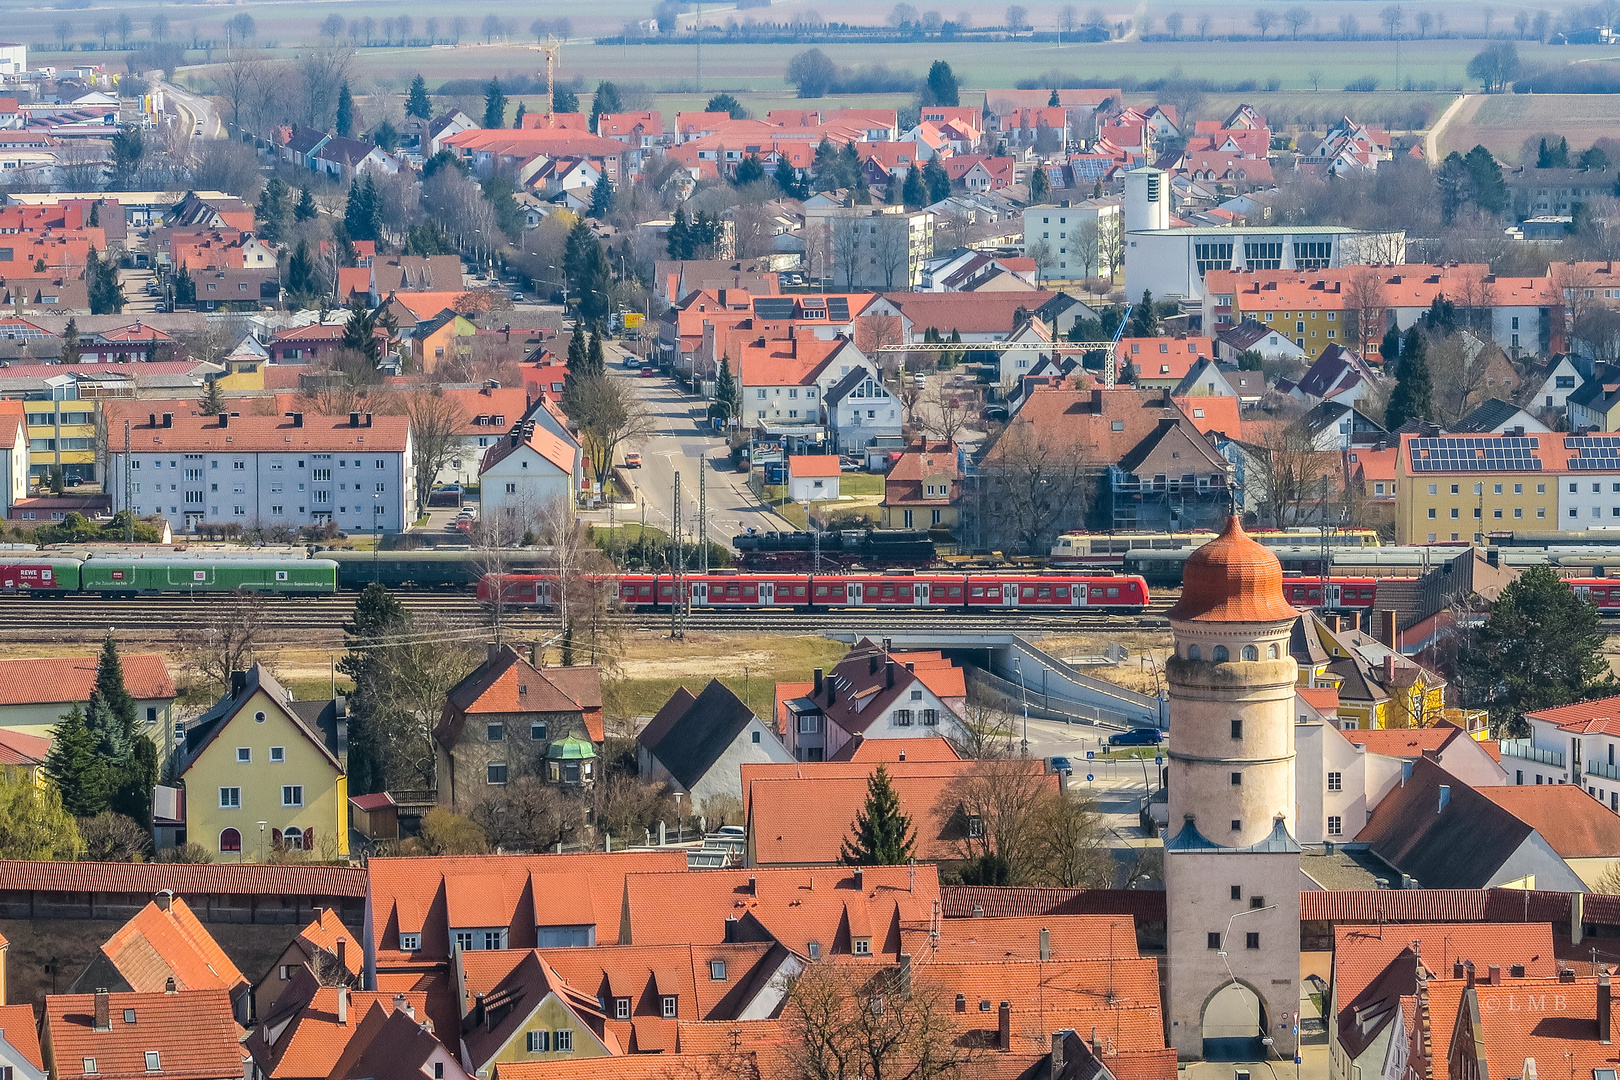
[(983, 732), (849, 1021), (1364, 307), (528, 814), (436, 421), (1033, 484), (1291, 477), (226, 638)]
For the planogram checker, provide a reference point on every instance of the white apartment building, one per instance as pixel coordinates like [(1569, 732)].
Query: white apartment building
[(1073, 240), (293, 470), (868, 247)]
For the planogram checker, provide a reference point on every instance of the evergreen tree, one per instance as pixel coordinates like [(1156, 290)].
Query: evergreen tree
[(378, 616), (585, 267), (679, 238), (750, 169), (345, 112), (416, 102), (275, 210), (1561, 159), (595, 362), (1053, 102), (1040, 186), (213, 401), (101, 280), (362, 215), (74, 767), (1543, 158), (787, 179), (893, 195), (727, 394), (1541, 647), (576, 352), (605, 100), (860, 194), (34, 825), (937, 179), (494, 104), (882, 835), (1413, 395), (564, 100), (726, 103), (602, 198), (1390, 349), (305, 210), (827, 166), (1490, 192), (70, 342), (941, 87), (1144, 318), (185, 286), (914, 193), (301, 282), (95, 207), (517, 117)]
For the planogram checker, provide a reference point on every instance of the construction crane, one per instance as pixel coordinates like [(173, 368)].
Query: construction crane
[(550, 49)]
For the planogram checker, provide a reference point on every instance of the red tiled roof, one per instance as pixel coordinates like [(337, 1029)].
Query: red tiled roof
[(1069, 937), (188, 879), (192, 1032), (271, 434), (20, 1029), (1575, 824), (934, 749), (1361, 953), (813, 465), (316, 1040), (1323, 700), (62, 679), (1583, 712), (510, 684), (157, 945), (1564, 1036), (970, 313), (1434, 905), (17, 748), (991, 902)]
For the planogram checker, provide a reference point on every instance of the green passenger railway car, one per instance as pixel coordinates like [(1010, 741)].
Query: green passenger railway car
[(123, 576)]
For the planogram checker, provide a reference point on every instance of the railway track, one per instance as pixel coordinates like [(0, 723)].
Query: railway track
[(318, 620)]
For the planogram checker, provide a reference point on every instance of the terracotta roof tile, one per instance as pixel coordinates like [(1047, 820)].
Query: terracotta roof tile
[(510, 684), (54, 680), (184, 879), (1579, 713), (892, 751), (1361, 953), (1565, 1036), (983, 901), (191, 1031), (20, 1029), (157, 944), (314, 1040), (1575, 824), (17, 748), (267, 434), (969, 313), (393, 1043), (1071, 937), (1232, 579)]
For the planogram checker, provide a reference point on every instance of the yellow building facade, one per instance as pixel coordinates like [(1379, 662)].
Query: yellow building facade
[(1457, 488), (61, 431), (258, 775)]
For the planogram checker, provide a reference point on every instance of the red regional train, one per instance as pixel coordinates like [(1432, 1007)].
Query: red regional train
[(745, 591), (1343, 593)]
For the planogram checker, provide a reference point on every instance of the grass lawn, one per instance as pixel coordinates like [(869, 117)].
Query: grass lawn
[(655, 666), (860, 484)]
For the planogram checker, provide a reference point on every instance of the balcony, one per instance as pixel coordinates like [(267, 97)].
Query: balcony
[(1521, 748), (1603, 769)]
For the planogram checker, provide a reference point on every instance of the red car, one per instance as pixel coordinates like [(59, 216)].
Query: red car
[(647, 372)]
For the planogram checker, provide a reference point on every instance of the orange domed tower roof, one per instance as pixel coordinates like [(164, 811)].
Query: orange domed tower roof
[(1232, 579)]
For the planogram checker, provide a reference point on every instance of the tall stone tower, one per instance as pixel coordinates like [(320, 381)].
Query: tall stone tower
[(1231, 866)]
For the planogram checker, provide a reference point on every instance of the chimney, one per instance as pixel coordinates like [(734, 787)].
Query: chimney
[(343, 953), (1456, 969), (343, 1004), (103, 1010), (403, 1004), (168, 419), (1493, 975), (1605, 1011), (169, 987), (860, 879), (164, 900), (1445, 797), (1057, 1053), (1566, 975), (238, 682), (297, 418), (320, 915), (1004, 1027), (1389, 668), (731, 929), (887, 644), (1333, 623), (368, 419), (354, 419), (888, 674), (224, 419), (753, 885), (1468, 973), (1389, 631), (151, 419), (905, 974), (492, 652), (871, 664), (479, 1011), (817, 691)]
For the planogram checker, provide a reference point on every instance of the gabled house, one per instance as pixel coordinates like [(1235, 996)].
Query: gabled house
[(1250, 335), (527, 1013), (529, 470), (396, 1042), (1562, 379), (312, 1026), (1160, 363), (1211, 378), (341, 157), (326, 950), (179, 1034), (920, 490), (869, 693), (441, 338), (165, 947), (256, 755), (508, 719), (1334, 425), (1338, 373), (19, 1043), (697, 744), (861, 411), (1497, 417)]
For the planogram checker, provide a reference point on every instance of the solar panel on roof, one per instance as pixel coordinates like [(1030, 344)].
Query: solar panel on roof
[(773, 307), (838, 309)]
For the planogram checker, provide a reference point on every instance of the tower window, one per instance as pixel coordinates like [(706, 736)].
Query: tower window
[(1250, 652), (1251, 941), (1194, 653), (1237, 729), (1220, 654), (1257, 902), (1237, 779), (1271, 651), (1237, 892), (1237, 825), (1214, 939)]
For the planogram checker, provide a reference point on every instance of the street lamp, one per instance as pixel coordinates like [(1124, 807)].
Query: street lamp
[(679, 829), (262, 824), (1024, 694)]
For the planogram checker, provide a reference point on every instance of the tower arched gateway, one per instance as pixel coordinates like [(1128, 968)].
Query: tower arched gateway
[(1231, 866)]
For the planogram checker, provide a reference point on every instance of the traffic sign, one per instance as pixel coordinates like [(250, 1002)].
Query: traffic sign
[(1091, 755), (633, 319), (1159, 760), (1090, 777)]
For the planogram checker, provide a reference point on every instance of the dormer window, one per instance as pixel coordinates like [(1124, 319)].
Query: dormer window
[(861, 946), (621, 1008), (669, 1005)]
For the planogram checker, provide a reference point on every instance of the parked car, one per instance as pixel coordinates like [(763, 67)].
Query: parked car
[(632, 461), (632, 361), (647, 372), (1143, 736), (517, 298), (849, 465), (1061, 764)]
